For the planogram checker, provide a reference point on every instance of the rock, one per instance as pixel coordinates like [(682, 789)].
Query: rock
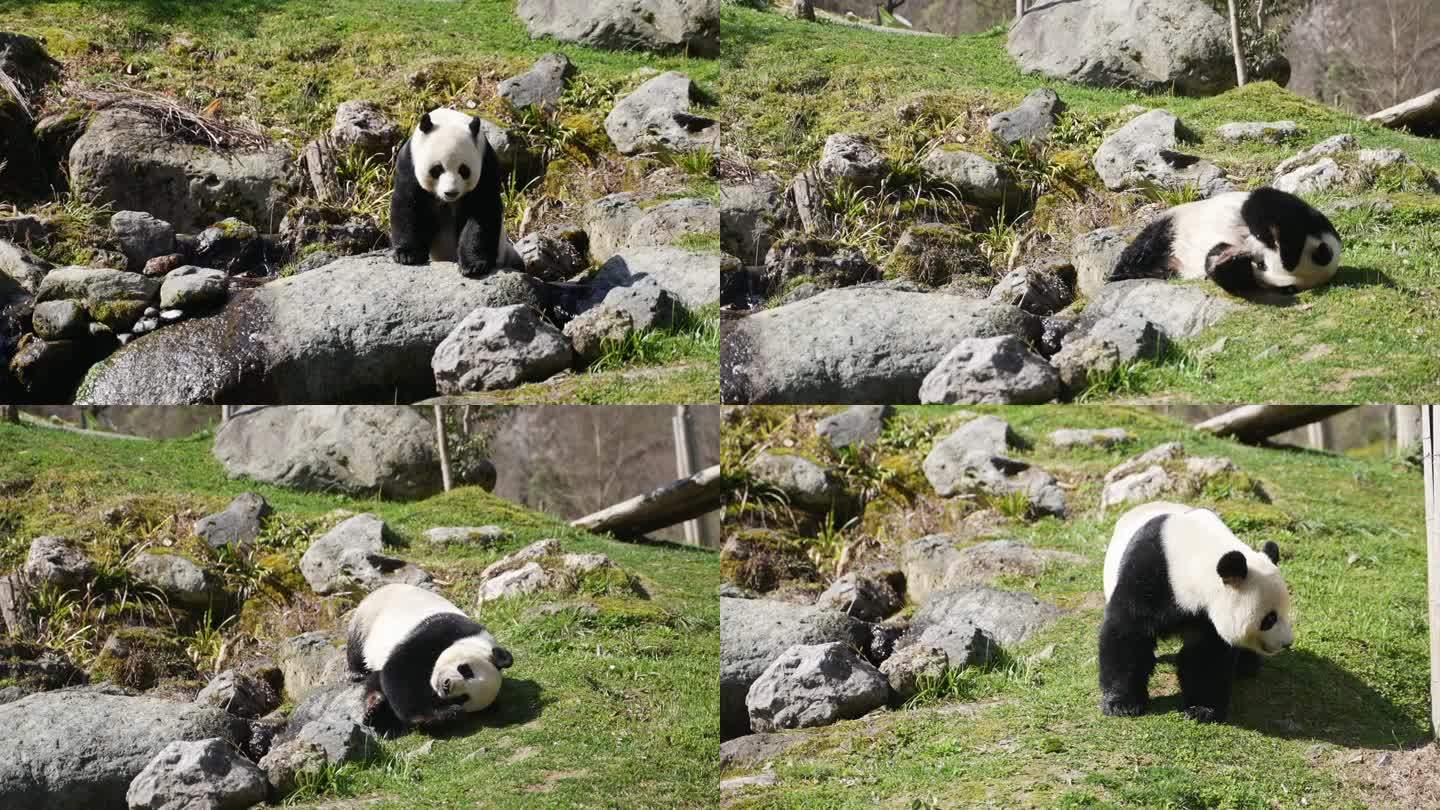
[(57, 561), (1321, 176), (126, 159), (670, 222), (496, 348), (752, 213), (934, 563), (607, 222), (181, 580), (161, 266), (909, 669), (854, 345), (806, 484), (46, 369), (479, 536), (194, 289), (978, 179), (657, 116), (814, 685), (364, 127), (313, 231), (826, 263), (754, 632), (597, 329), (1333, 145), (528, 578), (1031, 121), (60, 320), (240, 695), (648, 305), (998, 370), (542, 85), (342, 740), (753, 750), (205, 773), (1007, 617), (537, 550), (691, 276), (689, 25), (79, 749), (112, 297), (1269, 132), (856, 426), (1158, 454), (1106, 345), (286, 762), (362, 329), (1143, 152), (867, 598), (1094, 256), (21, 269), (1079, 437), (851, 159), (142, 237), (238, 525), (231, 246), (934, 255), (1136, 488), (551, 255), (1179, 312), (1148, 45), (1036, 289), (985, 434), (349, 556), (29, 72), (356, 449), (1383, 158), (311, 661), (30, 667), (954, 468)]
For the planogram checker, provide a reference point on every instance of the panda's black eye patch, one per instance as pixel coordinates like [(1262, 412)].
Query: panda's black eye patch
[(1323, 255), (1269, 621), (465, 171), (436, 171), (466, 672)]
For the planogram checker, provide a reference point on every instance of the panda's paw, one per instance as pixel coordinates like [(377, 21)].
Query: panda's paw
[(476, 269), (1205, 714), (1121, 707), (412, 256)]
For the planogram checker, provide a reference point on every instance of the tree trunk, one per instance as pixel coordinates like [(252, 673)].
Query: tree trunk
[(1235, 44), (805, 10), (1255, 423), (1407, 428), (1430, 430), (11, 413), (673, 503), (443, 446)]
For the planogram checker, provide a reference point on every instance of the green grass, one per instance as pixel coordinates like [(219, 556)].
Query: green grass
[(1351, 530), (614, 710), (790, 84)]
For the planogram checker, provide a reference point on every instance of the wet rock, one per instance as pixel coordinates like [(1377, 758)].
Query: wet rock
[(57, 561), (814, 685), (60, 320), (856, 426), (205, 773), (194, 289), (497, 348), (998, 370), (231, 245), (142, 237), (239, 524), (350, 556), (47, 368), (657, 116), (21, 269), (112, 297)]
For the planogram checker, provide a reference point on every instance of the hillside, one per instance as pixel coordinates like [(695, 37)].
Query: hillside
[(1363, 338), (578, 712), (1324, 724)]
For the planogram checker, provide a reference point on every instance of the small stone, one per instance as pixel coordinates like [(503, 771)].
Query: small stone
[(171, 315), (162, 265), (193, 288), (1031, 121), (805, 483), (142, 237)]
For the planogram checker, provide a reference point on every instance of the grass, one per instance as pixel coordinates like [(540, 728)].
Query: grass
[(1351, 531), (790, 84), (618, 709)]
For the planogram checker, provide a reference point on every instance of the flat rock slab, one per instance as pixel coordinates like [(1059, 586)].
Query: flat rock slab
[(1179, 311), (1006, 616)]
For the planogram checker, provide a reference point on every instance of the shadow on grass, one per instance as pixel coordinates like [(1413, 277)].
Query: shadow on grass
[(519, 703), (1362, 277)]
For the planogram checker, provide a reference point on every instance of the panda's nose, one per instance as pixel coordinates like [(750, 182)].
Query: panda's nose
[(451, 195), (1287, 644)]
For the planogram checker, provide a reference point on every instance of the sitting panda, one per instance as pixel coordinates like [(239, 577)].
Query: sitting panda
[(446, 204), (1245, 241), (424, 662), (1172, 570)]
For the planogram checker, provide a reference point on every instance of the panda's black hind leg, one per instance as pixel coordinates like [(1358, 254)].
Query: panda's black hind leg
[(1127, 658), (1206, 666), (378, 713)]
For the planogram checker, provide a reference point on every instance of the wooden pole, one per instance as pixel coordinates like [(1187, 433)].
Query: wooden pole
[(443, 446), (1019, 9), (1235, 44), (12, 413), (1430, 434), (1407, 428)]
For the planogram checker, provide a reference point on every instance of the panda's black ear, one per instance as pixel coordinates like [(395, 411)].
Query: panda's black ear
[(426, 123), (501, 658), (1272, 550), (1232, 568), (474, 127)]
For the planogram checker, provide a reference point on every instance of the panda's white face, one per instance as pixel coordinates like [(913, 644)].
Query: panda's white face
[(447, 153), (1259, 613), (469, 672), (1319, 262)]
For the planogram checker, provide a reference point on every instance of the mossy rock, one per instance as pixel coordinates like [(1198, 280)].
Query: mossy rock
[(763, 560), (587, 131), (142, 657), (120, 316), (934, 254)]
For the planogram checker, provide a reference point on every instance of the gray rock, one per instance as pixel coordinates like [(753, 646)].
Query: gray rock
[(596, 329), (238, 525), (356, 449), (1178, 311), (1321, 176), (824, 262), (978, 179), (362, 329), (1155, 45), (496, 348), (855, 345), (96, 286), (230, 245), (286, 762), (537, 550), (527, 579), (239, 694), (79, 749), (1031, 121), (607, 222), (142, 237), (669, 222), (1138, 487), (126, 159), (349, 556), (868, 598), (551, 255), (910, 668), (1269, 132), (364, 127), (805, 483), (998, 370), (21, 269), (935, 563), (655, 25), (1036, 289), (482, 536), (986, 434), (752, 214), (952, 468), (181, 580), (57, 561), (648, 305), (201, 774), (60, 320), (857, 426), (311, 661), (1383, 158), (754, 750), (754, 632), (657, 116), (1144, 152), (1104, 346), (193, 289), (1094, 255), (1333, 145), (1007, 617), (691, 276), (1158, 454), (542, 85), (814, 685), (342, 740), (1082, 437), (852, 159)]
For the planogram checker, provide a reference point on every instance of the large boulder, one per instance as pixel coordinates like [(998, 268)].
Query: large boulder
[(655, 25), (999, 370), (238, 525), (79, 749), (112, 297), (350, 556), (125, 158), (1141, 44), (1006, 616), (657, 117), (814, 685), (855, 345), (357, 449), (1143, 153), (362, 329), (1178, 311), (205, 773), (693, 276)]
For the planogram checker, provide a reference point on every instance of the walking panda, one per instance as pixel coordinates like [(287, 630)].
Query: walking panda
[(1244, 241), (424, 662), (1171, 570)]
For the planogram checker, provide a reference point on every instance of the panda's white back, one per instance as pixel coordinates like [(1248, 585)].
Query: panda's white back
[(390, 613), (1199, 226), (1125, 529)]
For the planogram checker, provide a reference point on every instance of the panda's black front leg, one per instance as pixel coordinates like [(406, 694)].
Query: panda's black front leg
[(1206, 666), (483, 216), (412, 215), (378, 713), (1127, 659), (1247, 663)]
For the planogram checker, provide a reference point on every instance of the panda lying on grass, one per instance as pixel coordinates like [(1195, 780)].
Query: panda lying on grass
[(1175, 571)]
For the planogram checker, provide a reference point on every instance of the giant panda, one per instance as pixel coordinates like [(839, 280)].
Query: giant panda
[(447, 203), (1171, 570), (1247, 242), (424, 662)]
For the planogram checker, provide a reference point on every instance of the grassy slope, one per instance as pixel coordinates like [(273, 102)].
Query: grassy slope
[(791, 84), (1351, 531), (625, 702), (288, 63)]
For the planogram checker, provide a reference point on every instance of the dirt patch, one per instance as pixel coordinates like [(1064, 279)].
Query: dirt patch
[(522, 754), (1317, 352), (1403, 779), (551, 778), (1343, 384)]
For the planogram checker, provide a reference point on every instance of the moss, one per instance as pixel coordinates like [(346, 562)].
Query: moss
[(141, 657), (233, 228), (934, 254), (587, 131), (120, 316), (703, 242), (763, 560)]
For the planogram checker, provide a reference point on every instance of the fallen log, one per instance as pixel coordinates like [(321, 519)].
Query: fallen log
[(673, 503), (1420, 115), (1255, 423)]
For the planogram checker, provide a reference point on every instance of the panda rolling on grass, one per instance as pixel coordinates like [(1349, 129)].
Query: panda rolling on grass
[(1247, 242), (1171, 570), (447, 203), (424, 662)]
